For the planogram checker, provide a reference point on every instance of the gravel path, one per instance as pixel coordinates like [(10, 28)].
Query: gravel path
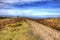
[(44, 32)]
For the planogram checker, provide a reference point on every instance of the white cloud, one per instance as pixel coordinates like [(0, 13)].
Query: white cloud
[(16, 1), (29, 12)]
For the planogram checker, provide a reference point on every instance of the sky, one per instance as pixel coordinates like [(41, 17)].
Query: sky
[(30, 8)]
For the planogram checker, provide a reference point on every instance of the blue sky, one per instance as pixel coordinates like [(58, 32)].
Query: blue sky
[(30, 8)]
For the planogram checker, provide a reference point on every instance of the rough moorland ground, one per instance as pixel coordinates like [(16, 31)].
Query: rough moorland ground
[(26, 29), (51, 22), (15, 29)]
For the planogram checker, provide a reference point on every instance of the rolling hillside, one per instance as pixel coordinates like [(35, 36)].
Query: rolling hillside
[(51, 22), (16, 29), (29, 29)]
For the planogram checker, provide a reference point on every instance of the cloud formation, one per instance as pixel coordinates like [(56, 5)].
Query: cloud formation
[(22, 1), (30, 8), (33, 13)]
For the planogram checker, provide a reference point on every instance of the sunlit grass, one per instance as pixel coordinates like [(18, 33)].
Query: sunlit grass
[(51, 22), (17, 31)]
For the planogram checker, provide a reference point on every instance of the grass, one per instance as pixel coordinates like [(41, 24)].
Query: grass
[(17, 31), (51, 22)]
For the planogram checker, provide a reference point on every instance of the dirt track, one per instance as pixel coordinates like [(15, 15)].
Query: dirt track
[(44, 32)]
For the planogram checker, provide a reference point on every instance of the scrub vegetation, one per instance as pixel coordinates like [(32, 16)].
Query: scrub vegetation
[(51, 22), (14, 29), (20, 28)]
